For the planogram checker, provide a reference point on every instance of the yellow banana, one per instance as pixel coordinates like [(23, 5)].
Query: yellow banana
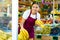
[(46, 30), (10, 38), (23, 35), (1, 39), (4, 35), (40, 23)]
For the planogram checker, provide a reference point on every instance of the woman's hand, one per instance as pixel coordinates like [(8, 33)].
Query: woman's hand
[(22, 27), (22, 22)]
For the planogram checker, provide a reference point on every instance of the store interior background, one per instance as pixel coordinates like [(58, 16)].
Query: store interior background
[(50, 16), (5, 19)]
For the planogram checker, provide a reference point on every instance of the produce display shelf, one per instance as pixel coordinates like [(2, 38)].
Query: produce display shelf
[(40, 37), (47, 35), (52, 25)]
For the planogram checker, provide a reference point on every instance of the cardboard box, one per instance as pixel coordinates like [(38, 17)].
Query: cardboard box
[(59, 38), (46, 38)]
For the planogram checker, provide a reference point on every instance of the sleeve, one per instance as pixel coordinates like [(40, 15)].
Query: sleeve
[(38, 16), (26, 14)]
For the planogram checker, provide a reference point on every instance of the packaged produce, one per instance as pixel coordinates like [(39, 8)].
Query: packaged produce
[(47, 38)]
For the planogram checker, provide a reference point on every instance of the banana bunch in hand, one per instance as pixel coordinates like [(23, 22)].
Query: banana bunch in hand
[(23, 35), (40, 23)]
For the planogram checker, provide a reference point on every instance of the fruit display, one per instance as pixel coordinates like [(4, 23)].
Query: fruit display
[(54, 11), (23, 35), (46, 30), (10, 38), (57, 19), (4, 35), (47, 21), (40, 23), (55, 31), (43, 20)]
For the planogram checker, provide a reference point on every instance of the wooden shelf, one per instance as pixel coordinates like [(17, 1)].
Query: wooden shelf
[(25, 3)]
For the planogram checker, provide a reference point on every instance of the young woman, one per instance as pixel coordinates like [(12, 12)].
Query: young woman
[(28, 19)]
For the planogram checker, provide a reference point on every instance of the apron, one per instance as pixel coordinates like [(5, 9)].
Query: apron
[(28, 25)]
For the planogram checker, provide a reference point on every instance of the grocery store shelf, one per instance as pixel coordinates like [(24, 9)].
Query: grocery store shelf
[(43, 34), (47, 35)]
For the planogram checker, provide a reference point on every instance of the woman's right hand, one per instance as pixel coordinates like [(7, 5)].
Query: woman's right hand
[(22, 22), (22, 27)]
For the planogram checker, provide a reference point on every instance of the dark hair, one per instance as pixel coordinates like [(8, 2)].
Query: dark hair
[(35, 3)]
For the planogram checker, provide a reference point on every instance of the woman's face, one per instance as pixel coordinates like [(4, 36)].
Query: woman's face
[(35, 8)]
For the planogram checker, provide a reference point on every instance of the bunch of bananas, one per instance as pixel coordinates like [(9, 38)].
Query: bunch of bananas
[(54, 11), (40, 23), (10, 38), (46, 30), (4, 36), (23, 35)]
